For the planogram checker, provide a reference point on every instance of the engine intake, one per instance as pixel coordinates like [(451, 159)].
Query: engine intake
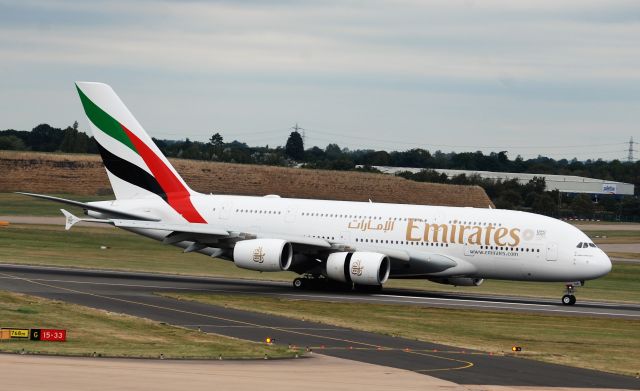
[(458, 281), (265, 255), (364, 268)]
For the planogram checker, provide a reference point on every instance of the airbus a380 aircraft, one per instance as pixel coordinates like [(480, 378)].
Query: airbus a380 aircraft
[(354, 243)]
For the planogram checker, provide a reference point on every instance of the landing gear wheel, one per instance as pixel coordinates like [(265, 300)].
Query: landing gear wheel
[(298, 283), (568, 299), (570, 288)]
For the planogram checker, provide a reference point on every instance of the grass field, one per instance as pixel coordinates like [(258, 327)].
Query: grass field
[(614, 237), (115, 335), (12, 204), (80, 247), (597, 343)]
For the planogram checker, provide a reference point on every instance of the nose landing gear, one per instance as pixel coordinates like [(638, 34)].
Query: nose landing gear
[(569, 298)]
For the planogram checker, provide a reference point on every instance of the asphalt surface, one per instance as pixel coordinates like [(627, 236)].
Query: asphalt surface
[(134, 293)]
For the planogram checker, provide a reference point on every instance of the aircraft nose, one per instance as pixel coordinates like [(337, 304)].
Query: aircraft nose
[(603, 264)]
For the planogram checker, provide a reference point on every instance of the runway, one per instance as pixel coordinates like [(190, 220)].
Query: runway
[(133, 293)]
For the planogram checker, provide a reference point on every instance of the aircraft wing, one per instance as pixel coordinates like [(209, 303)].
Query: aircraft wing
[(200, 233), (196, 229)]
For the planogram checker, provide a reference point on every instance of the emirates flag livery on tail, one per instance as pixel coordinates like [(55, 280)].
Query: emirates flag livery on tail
[(354, 244)]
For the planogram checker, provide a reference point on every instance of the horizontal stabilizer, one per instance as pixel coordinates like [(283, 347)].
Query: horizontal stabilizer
[(71, 219), (102, 209)]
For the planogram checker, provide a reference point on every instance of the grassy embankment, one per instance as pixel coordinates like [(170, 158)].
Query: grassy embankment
[(597, 343), (80, 247), (115, 335)]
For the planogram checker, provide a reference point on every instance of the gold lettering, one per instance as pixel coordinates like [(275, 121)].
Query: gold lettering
[(452, 237), (476, 236), (436, 230), (410, 227), (487, 235), (500, 233), (514, 233), (461, 234)]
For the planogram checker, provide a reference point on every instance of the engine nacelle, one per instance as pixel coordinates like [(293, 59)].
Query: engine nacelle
[(360, 267), (458, 281), (265, 255)]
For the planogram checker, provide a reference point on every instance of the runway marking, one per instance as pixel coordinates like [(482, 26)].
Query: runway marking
[(253, 327), (378, 297), (466, 364)]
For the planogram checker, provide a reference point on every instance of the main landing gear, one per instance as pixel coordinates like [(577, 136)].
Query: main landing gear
[(569, 297)]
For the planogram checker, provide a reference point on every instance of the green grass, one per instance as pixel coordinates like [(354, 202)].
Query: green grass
[(597, 343), (614, 237), (115, 335), (80, 247), (630, 256), (12, 204)]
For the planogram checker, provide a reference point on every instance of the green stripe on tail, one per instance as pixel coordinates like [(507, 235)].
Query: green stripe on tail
[(104, 121)]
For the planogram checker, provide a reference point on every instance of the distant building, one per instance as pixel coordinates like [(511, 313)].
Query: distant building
[(569, 184)]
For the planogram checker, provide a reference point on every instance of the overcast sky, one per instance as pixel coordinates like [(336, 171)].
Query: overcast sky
[(558, 78)]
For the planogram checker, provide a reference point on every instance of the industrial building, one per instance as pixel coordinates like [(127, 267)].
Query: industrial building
[(569, 184)]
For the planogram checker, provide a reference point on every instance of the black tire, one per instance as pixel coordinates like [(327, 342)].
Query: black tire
[(568, 299), (298, 283)]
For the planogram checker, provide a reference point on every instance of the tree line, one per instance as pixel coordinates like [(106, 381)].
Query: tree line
[(505, 194)]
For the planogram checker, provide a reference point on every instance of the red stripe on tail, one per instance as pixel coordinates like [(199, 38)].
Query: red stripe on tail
[(178, 196)]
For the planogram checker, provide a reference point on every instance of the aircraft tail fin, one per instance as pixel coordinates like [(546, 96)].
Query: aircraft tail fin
[(135, 165)]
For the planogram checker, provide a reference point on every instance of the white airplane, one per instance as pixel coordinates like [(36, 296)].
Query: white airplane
[(358, 244)]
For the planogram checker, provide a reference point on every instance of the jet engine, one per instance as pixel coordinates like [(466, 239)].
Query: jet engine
[(265, 255), (458, 281), (359, 267)]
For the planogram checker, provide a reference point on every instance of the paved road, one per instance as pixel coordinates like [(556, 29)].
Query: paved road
[(133, 293), (283, 289), (621, 248)]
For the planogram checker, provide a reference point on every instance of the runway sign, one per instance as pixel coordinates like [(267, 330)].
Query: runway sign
[(15, 333), (53, 335)]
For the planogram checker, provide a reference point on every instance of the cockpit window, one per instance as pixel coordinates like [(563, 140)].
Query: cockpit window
[(592, 245), (579, 245)]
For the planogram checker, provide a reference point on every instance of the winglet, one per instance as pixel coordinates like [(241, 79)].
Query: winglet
[(71, 220)]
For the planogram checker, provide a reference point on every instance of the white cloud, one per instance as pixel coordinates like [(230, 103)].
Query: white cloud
[(509, 64)]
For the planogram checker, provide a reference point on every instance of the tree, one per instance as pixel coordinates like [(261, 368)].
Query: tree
[(333, 152), (45, 138), (295, 146), (582, 206), (544, 204), (11, 143), (216, 145), (509, 199)]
